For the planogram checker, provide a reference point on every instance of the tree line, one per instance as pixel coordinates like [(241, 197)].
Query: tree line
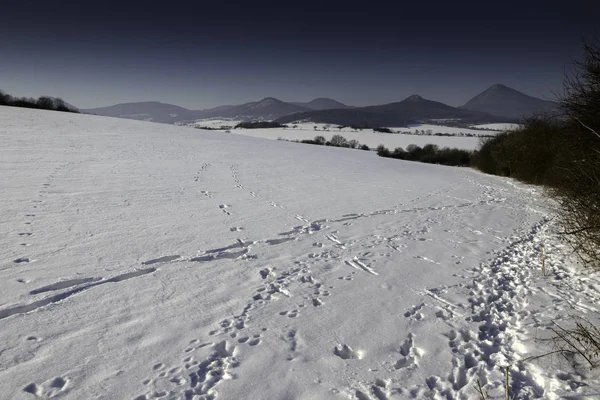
[(42, 103)]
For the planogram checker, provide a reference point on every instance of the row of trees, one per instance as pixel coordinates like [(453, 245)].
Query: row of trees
[(430, 153), (336, 141), (42, 103)]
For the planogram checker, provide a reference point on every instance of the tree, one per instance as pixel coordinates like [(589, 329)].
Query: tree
[(320, 140), (45, 103), (5, 99), (339, 141), (579, 191)]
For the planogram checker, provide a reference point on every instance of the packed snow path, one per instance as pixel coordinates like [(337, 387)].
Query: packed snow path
[(143, 261)]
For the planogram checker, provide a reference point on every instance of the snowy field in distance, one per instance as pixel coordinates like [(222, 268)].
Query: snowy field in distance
[(306, 131), (150, 261), (215, 123), (418, 128), (498, 126)]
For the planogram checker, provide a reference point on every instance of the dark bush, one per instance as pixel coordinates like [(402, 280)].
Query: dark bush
[(430, 153), (259, 125), (339, 141), (561, 153), (382, 151), (43, 103), (320, 140)]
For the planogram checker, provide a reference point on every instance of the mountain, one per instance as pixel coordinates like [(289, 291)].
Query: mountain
[(146, 111), (267, 109), (507, 102), (410, 110), (322, 103)]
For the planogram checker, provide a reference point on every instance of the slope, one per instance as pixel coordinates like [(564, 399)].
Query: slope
[(145, 261)]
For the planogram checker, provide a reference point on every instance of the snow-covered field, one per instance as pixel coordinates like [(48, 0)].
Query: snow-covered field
[(366, 136), (143, 261), (306, 131), (214, 123), (428, 128), (498, 126)]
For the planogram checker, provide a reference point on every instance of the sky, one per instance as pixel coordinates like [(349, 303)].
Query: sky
[(201, 54)]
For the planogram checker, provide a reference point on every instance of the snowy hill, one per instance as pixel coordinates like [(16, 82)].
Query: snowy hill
[(145, 261)]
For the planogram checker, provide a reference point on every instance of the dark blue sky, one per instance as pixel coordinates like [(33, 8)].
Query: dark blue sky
[(203, 54)]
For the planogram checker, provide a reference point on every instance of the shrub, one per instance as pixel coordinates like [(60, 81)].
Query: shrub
[(259, 125), (364, 147), (320, 140), (562, 153), (339, 141), (382, 151), (43, 103), (430, 153)]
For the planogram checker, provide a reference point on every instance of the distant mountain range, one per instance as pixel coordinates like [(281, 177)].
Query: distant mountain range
[(496, 104), (323, 103), (266, 109), (506, 102), (410, 110)]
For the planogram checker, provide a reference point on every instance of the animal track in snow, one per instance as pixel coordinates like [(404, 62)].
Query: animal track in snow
[(290, 314), (225, 253), (62, 296), (279, 241), (222, 256), (48, 389), (63, 285), (163, 259), (357, 264), (414, 313), (212, 371), (346, 352), (410, 354)]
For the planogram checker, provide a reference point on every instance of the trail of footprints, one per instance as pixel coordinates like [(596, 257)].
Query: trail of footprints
[(31, 217), (201, 377)]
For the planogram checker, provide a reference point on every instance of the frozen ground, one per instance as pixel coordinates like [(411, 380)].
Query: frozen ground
[(419, 128), (305, 131), (143, 261), (498, 127)]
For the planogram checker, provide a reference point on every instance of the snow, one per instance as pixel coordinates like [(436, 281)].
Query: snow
[(445, 129), (144, 261), (368, 137), (498, 126), (306, 131), (214, 123)]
